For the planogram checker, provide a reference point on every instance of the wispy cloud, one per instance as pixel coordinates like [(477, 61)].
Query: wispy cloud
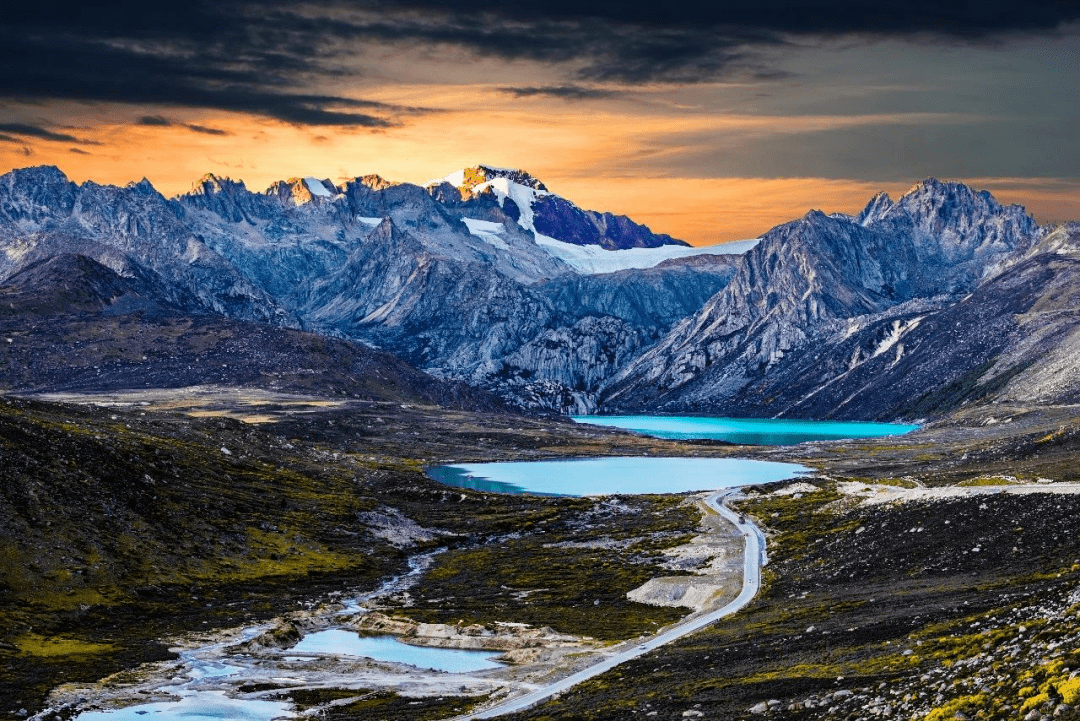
[(154, 120), (34, 131), (562, 92), (205, 130), (160, 121)]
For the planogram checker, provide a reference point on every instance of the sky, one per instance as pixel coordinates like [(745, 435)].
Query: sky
[(708, 121)]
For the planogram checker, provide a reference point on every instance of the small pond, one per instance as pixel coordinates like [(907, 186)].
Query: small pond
[(387, 648), (196, 706), (749, 431), (618, 475)]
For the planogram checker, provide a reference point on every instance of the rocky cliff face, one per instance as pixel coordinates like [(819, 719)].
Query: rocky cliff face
[(70, 323), (549, 344), (1014, 339), (825, 293)]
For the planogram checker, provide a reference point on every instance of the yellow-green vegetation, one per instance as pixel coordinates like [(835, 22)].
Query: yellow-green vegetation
[(986, 481), (967, 705), (895, 482), (880, 612), (33, 644), (851, 661), (1070, 690), (128, 526), (947, 649), (1048, 682), (1052, 436)]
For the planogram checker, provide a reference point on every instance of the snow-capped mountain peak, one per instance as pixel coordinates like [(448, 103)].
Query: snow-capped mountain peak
[(302, 191), (588, 241), (467, 179)]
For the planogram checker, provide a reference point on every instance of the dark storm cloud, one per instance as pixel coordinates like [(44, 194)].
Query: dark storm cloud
[(233, 57), (957, 18), (262, 58), (564, 92), (636, 42)]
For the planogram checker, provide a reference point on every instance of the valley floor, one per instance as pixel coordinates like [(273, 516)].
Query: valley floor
[(885, 597)]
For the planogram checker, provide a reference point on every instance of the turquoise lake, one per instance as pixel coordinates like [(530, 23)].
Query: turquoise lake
[(618, 475), (388, 648), (748, 431)]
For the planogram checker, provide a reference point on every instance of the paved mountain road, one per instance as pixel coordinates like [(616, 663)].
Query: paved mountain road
[(754, 559)]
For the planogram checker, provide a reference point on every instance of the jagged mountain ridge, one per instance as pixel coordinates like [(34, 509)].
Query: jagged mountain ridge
[(43, 214), (818, 298), (461, 320), (446, 279)]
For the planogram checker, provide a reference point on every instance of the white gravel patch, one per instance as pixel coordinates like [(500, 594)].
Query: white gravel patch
[(876, 494)]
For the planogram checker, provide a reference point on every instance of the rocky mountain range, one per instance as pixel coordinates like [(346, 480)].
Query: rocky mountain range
[(455, 279), (908, 309)]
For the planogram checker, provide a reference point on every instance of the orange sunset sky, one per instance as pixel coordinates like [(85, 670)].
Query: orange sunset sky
[(709, 126)]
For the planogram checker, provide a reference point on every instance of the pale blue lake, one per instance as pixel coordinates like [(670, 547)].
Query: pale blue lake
[(196, 706), (387, 648), (748, 431), (614, 475)]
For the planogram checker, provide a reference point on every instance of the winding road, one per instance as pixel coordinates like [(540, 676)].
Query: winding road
[(754, 558)]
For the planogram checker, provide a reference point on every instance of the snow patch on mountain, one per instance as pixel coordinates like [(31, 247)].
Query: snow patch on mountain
[(369, 221), (316, 187), (522, 195), (592, 259), (483, 226), (456, 179), (587, 229), (899, 328), (487, 231)]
